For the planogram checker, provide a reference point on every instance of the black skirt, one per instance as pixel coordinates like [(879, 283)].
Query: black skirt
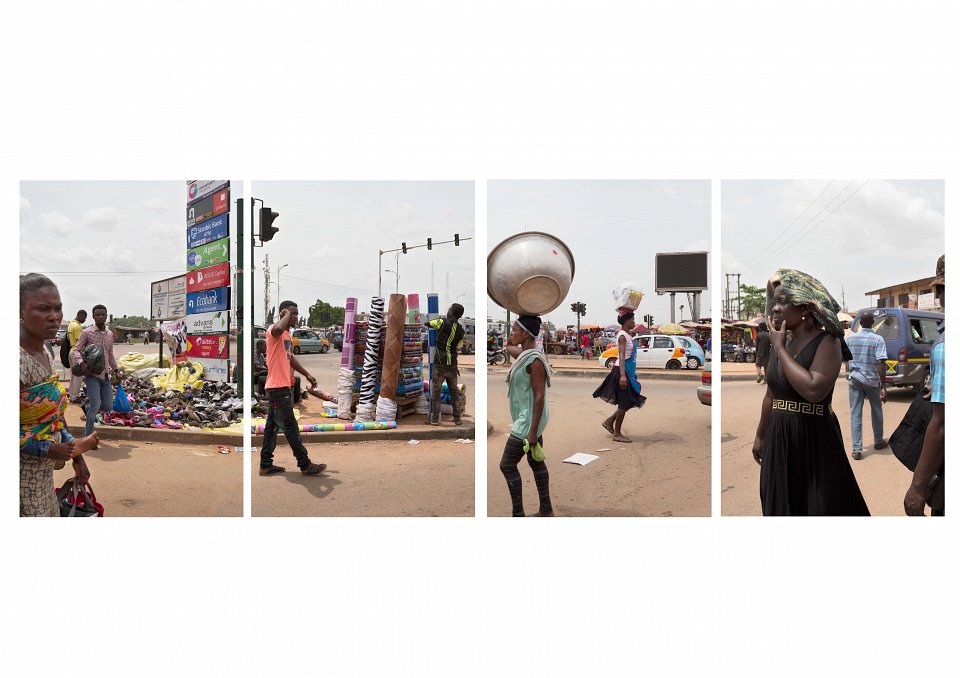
[(624, 398)]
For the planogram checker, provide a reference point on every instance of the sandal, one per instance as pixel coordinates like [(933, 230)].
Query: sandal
[(607, 424), (313, 469), (621, 439), (270, 471)]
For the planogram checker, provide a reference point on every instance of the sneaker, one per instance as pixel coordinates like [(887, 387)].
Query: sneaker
[(857, 455), (882, 444)]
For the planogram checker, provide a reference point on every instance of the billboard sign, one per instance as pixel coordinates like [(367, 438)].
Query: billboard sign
[(207, 346), (209, 207), (207, 323), (214, 369), (212, 253), (217, 299), (927, 302), (681, 272), (175, 336), (168, 298), (208, 231), (202, 279), (197, 189)]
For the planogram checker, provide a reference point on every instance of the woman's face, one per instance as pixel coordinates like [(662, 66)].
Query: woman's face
[(629, 325), (784, 312), (517, 334), (42, 313)]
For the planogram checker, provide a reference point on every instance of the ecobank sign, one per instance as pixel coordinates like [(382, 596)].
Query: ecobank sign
[(210, 300)]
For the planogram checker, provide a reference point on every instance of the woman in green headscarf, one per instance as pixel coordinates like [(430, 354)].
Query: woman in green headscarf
[(803, 467)]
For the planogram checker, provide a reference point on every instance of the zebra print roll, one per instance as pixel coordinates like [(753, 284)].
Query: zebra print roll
[(368, 383)]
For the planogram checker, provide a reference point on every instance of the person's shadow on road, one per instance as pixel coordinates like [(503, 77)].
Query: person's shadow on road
[(320, 486), (110, 452)]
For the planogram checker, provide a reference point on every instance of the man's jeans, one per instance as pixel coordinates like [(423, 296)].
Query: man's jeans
[(280, 416), (100, 399), (858, 392)]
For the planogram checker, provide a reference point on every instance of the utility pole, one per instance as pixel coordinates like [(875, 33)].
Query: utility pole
[(739, 300)]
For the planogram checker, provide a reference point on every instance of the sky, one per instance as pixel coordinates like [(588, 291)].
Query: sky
[(598, 220), (331, 232), (854, 235), (104, 242)]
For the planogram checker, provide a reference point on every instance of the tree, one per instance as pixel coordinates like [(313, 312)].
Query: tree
[(323, 314), (135, 321), (753, 300), (270, 315)]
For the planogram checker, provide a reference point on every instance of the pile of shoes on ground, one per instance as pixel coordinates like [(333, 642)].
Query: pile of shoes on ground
[(211, 405)]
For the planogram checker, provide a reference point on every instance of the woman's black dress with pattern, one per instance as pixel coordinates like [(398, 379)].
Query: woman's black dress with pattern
[(805, 470)]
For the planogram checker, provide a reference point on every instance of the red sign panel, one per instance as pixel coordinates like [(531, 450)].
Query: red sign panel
[(207, 346), (208, 278)]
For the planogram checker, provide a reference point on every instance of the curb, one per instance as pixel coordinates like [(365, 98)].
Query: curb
[(667, 375), (155, 435), (397, 434)]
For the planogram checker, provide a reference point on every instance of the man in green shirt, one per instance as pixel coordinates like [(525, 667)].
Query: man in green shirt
[(449, 339), (73, 336)]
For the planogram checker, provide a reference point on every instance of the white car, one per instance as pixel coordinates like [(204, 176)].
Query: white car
[(653, 350)]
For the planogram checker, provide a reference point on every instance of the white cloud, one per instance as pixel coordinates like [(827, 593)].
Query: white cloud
[(58, 222), (24, 211), (101, 219), (155, 205)]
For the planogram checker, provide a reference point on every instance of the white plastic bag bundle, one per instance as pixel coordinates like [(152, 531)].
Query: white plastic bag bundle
[(365, 412), (344, 393), (423, 404), (628, 296), (386, 409)]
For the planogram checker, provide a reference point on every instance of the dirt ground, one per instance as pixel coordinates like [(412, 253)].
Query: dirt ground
[(433, 478), (664, 472), (154, 479)]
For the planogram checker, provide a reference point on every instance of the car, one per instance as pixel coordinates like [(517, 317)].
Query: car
[(337, 340), (606, 342), (259, 332), (695, 357), (307, 341), (653, 350), (909, 335), (704, 390)]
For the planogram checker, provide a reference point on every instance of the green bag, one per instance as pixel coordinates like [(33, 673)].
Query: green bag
[(536, 452)]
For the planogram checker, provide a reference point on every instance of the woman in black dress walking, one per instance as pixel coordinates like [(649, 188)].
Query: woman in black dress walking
[(803, 467)]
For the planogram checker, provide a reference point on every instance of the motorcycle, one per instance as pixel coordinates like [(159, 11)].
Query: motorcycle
[(496, 357)]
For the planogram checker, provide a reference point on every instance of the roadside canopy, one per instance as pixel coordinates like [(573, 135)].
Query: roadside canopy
[(672, 328)]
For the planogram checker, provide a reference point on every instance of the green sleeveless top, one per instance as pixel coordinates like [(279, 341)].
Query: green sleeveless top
[(520, 394)]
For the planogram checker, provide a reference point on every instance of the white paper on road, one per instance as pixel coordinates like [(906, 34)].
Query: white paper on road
[(413, 442), (603, 449), (464, 441), (581, 458)]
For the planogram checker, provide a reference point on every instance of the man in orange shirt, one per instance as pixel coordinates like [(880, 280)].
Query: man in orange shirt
[(280, 366)]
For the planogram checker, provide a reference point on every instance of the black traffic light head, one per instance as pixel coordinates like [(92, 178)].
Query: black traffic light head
[(456, 239), (267, 229), (403, 246), (583, 309), (429, 243), (574, 307)]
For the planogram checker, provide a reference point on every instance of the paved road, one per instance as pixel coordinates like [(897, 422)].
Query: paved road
[(664, 472), (434, 478), (144, 479), (882, 479)]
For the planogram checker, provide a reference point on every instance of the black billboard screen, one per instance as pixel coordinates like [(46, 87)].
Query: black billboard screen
[(682, 271)]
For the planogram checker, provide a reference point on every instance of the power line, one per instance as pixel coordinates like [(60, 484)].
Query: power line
[(790, 225), (102, 272), (801, 236)]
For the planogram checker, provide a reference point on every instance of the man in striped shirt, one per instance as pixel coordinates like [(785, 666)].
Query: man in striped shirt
[(449, 339), (866, 374), (99, 388)]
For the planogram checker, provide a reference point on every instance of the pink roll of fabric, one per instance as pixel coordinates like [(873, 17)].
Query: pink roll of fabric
[(349, 334), (413, 309), (393, 346)]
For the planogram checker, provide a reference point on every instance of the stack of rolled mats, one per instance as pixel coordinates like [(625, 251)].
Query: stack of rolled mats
[(411, 362), (360, 348)]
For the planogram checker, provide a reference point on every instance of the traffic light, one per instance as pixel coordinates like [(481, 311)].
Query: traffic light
[(267, 229), (456, 239), (583, 309), (575, 307), (429, 243), (403, 246)]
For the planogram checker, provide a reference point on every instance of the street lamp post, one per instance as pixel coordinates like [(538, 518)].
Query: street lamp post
[(280, 268)]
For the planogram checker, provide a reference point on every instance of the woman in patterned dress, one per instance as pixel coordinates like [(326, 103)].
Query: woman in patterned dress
[(45, 442)]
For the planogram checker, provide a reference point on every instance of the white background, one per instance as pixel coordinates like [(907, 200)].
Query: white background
[(739, 90)]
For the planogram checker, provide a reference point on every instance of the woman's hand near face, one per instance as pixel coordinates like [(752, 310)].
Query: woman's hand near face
[(778, 338)]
